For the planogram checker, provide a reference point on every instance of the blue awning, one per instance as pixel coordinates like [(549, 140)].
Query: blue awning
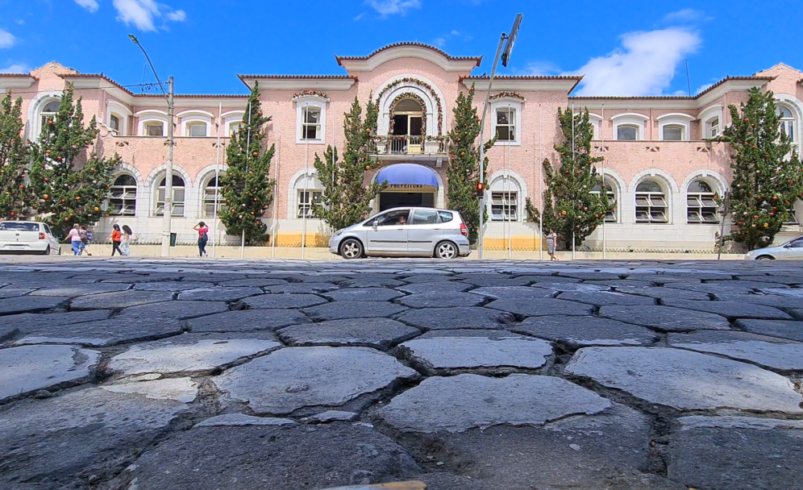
[(408, 174)]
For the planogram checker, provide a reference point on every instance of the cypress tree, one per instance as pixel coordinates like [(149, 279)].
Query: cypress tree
[(247, 189), (15, 195)]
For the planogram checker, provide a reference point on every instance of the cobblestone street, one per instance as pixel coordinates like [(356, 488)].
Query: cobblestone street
[(185, 374)]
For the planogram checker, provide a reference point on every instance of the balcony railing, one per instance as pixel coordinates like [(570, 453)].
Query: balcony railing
[(409, 145)]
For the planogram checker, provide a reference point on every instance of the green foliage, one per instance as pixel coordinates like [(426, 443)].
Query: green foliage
[(246, 187), (345, 198), (570, 207), (70, 184), (15, 198), (767, 175), (533, 214), (464, 157)]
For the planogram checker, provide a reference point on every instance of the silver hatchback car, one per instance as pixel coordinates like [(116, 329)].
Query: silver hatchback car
[(404, 232)]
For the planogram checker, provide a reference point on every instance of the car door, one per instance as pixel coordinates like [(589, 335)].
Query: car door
[(423, 231), (387, 233), (793, 250)]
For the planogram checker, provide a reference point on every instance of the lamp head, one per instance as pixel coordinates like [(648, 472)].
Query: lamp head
[(134, 39)]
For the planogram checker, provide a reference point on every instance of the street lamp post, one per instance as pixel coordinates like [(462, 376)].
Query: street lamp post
[(168, 200)]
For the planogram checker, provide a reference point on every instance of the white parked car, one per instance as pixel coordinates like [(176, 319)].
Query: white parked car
[(791, 250), (28, 236), (405, 232)]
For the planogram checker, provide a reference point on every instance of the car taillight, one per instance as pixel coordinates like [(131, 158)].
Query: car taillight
[(463, 230), (41, 236)]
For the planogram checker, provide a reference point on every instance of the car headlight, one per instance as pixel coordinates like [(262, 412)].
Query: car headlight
[(338, 233)]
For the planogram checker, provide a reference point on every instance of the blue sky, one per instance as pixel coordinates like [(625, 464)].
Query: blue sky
[(627, 48)]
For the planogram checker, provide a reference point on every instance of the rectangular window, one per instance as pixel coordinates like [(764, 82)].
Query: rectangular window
[(209, 203), (311, 123), (197, 130), (626, 133), (673, 133), (504, 206), (701, 209), (610, 216), (651, 207), (123, 201), (178, 202), (234, 128), (306, 200), (154, 129), (505, 124), (713, 127), (792, 219), (114, 122)]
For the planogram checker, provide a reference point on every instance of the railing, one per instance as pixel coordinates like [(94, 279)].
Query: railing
[(409, 145)]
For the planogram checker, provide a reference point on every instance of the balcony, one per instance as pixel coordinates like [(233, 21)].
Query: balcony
[(409, 145)]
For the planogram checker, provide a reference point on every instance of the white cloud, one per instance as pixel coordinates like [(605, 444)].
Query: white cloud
[(91, 5), (644, 65), (455, 33), (16, 68), (540, 68), (360, 16), (391, 7), (685, 16), (143, 13), (439, 42), (7, 39), (703, 87)]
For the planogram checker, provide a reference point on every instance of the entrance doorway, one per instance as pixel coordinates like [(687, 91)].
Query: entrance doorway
[(389, 200)]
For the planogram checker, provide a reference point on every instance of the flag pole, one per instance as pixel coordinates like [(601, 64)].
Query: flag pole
[(540, 190), (215, 217)]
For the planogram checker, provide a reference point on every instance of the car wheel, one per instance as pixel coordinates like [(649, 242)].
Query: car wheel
[(766, 257), (47, 251), (446, 250), (350, 249)]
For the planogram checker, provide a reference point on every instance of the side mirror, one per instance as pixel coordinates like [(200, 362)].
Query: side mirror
[(374, 225)]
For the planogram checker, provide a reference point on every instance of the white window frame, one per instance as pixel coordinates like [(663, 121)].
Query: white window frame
[(704, 203), (707, 117), (148, 116), (507, 205), (43, 114), (310, 101), (305, 199), (303, 180), (116, 108), (160, 203), (195, 116), (515, 105), (500, 183), (652, 200), (596, 124), (675, 119), (630, 119), (34, 126), (230, 118), (194, 124), (208, 199), (610, 191), (123, 196), (785, 121)]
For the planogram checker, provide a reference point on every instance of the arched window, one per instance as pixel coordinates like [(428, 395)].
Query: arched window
[(651, 203), (49, 111), (505, 196), (123, 196), (178, 197), (610, 191), (627, 132), (210, 192), (787, 122), (305, 193), (701, 206)]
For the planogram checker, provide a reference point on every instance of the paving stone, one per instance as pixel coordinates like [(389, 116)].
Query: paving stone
[(102, 332), (477, 352), (301, 288), (737, 287), (571, 286), (241, 420), (36, 367), (584, 331), (458, 403), (74, 290), (486, 334), (137, 278), (541, 307), (102, 431), (190, 353), (253, 282), (374, 332), (427, 278), (456, 318), (730, 309), (378, 281), (363, 294), (322, 456), (623, 283), (14, 292), (661, 293), (25, 322), (283, 301), (172, 286), (175, 310), (297, 377), (340, 310), (331, 416), (660, 279), (770, 352), (737, 453), (435, 287), (686, 380), (442, 300), (514, 292), (776, 279), (218, 294), (496, 280), (664, 318), (315, 278), (31, 304), (247, 321), (592, 276), (698, 275), (120, 299), (773, 328), (796, 293), (541, 280), (183, 390), (602, 298), (773, 300)]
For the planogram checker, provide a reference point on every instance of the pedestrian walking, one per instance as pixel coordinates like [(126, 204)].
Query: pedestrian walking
[(75, 240), (86, 238), (203, 237), (115, 238), (125, 244), (551, 240)]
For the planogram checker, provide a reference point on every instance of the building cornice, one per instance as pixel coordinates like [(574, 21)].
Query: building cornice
[(409, 50), (15, 80), (525, 83), (299, 82)]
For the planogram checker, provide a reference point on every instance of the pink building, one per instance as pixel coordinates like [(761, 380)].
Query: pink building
[(662, 173)]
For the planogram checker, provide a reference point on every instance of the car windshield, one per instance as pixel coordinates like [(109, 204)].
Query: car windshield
[(10, 225)]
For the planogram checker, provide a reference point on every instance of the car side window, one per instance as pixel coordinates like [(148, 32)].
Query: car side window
[(47, 230), (393, 218), (796, 244), (446, 216), (425, 217)]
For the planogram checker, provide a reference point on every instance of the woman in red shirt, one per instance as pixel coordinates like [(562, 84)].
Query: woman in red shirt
[(203, 237), (115, 237)]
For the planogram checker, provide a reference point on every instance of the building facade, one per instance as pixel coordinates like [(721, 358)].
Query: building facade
[(658, 165)]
